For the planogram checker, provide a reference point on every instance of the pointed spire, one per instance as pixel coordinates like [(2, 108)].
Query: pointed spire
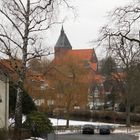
[(62, 30), (63, 41)]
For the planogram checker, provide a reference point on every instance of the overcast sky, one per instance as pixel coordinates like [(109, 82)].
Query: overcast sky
[(91, 17)]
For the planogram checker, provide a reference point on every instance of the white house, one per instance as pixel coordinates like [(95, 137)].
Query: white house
[(4, 99)]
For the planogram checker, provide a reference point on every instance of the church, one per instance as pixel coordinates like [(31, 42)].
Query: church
[(63, 48), (76, 72)]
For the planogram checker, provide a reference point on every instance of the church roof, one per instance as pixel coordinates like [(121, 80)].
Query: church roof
[(87, 55), (63, 41), (84, 54)]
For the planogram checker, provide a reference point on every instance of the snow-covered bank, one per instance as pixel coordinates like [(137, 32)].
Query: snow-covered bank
[(62, 122)]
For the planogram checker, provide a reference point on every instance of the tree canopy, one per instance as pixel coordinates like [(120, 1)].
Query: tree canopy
[(121, 37), (108, 66)]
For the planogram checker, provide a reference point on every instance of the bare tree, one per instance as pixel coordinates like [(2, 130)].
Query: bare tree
[(70, 84), (121, 38), (40, 65), (22, 24)]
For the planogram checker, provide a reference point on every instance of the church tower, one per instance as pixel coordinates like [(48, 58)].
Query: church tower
[(62, 45)]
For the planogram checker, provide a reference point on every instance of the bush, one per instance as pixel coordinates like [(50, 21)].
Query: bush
[(38, 123), (137, 109), (27, 104), (82, 114)]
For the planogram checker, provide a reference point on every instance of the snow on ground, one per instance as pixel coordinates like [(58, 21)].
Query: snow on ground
[(62, 122), (32, 138)]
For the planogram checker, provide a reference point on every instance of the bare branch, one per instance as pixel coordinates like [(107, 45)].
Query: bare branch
[(22, 6), (14, 24)]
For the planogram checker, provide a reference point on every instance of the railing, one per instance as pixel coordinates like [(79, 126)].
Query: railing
[(71, 128), (78, 129)]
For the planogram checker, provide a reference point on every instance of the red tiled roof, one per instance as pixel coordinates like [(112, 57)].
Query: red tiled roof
[(85, 54), (35, 76), (93, 66), (6, 63), (81, 54), (119, 76), (99, 78), (31, 75)]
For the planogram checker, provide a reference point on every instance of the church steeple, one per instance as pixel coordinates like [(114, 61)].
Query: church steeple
[(62, 45), (63, 41), (62, 30)]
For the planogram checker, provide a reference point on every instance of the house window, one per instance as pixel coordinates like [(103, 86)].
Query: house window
[(39, 102), (60, 95), (96, 92), (107, 93), (43, 86), (86, 64), (50, 102)]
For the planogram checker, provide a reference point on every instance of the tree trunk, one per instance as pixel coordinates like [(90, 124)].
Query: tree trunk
[(18, 109), (18, 115), (128, 114), (67, 118), (67, 124)]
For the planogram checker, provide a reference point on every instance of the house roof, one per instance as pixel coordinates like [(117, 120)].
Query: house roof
[(93, 66), (99, 78), (5, 66), (9, 64), (119, 76), (9, 68), (63, 41), (4, 72), (35, 76)]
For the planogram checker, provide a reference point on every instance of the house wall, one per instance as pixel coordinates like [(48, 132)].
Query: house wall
[(4, 102)]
